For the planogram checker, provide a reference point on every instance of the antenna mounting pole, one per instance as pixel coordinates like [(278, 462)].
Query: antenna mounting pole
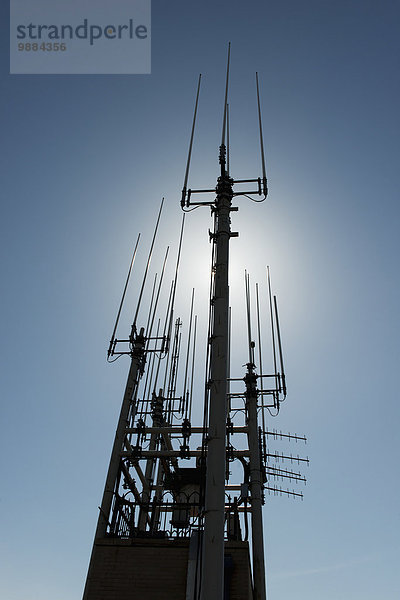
[(212, 578)]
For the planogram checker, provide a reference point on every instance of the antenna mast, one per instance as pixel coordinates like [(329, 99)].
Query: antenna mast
[(169, 503), (213, 543)]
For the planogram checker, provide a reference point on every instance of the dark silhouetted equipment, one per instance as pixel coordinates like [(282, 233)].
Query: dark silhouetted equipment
[(182, 504)]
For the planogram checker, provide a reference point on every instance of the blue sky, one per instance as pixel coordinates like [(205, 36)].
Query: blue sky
[(85, 162)]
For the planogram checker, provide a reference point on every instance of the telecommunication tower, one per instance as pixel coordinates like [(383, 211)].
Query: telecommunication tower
[(173, 524)]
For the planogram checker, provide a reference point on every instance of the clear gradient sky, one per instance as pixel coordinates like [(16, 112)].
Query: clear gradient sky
[(85, 161)]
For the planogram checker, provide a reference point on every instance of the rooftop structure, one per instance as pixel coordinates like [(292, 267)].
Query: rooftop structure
[(181, 514)]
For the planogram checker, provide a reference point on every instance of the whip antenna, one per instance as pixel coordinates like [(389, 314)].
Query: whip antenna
[(265, 189), (226, 96), (147, 268), (110, 348), (175, 281), (190, 146), (280, 347), (272, 326), (227, 138), (248, 308)]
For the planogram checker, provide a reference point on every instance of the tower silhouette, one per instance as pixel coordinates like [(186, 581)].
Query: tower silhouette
[(181, 513)]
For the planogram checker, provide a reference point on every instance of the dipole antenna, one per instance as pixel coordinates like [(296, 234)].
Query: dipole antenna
[(111, 346)]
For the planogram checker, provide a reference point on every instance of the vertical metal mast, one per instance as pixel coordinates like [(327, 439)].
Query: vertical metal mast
[(135, 371), (255, 484), (255, 464), (212, 582)]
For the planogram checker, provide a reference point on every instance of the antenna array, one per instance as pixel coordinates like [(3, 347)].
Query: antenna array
[(169, 478)]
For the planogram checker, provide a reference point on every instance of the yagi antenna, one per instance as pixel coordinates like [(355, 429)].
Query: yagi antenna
[(265, 189), (110, 348), (190, 146)]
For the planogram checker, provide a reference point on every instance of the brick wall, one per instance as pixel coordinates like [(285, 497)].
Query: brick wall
[(149, 569)]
